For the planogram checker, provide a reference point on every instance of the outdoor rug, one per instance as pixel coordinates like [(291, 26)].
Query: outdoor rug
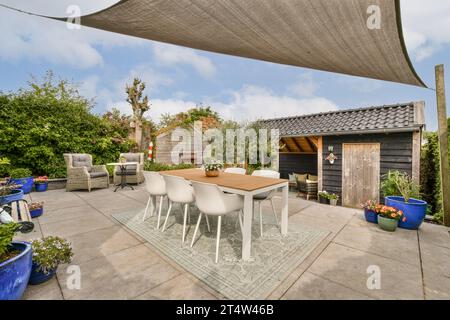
[(273, 257)]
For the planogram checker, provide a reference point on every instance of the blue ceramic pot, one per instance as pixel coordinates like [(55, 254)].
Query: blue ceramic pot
[(15, 272), (371, 216), (38, 277), (41, 187), (37, 213), (15, 195), (27, 183), (414, 211)]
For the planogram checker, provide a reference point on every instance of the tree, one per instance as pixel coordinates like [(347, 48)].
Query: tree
[(139, 104)]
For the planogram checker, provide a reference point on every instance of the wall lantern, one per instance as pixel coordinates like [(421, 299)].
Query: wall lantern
[(331, 157)]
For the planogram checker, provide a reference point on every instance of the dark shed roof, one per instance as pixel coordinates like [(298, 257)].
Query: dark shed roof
[(387, 118)]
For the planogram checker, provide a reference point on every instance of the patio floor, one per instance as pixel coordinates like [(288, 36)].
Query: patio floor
[(117, 264)]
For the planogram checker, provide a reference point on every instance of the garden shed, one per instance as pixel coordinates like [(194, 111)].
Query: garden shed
[(365, 143)]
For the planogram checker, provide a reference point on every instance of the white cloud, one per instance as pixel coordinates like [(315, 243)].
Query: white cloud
[(305, 86), (171, 55), (38, 39), (426, 25)]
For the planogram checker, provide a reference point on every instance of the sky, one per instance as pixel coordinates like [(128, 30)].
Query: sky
[(178, 78)]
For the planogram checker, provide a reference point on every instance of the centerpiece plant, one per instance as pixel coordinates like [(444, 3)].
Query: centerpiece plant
[(212, 167)]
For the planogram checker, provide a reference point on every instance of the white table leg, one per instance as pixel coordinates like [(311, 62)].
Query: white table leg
[(247, 227), (284, 209)]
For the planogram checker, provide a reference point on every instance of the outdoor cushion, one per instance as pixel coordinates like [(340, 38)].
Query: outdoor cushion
[(131, 157), (82, 160), (261, 196), (311, 181), (98, 174), (312, 177), (301, 177), (292, 178)]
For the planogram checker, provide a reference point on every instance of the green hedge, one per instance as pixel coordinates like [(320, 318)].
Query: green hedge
[(154, 166), (40, 123)]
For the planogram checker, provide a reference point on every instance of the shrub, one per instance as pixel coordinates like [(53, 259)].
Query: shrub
[(155, 166), (20, 173), (7, 232), (397, 183), (50, 252)]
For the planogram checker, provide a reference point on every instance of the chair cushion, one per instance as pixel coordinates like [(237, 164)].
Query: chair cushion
[(311, 181), (98, 174), (82, 160), (132, 157), (312, 177), (301, 177), (261, 196)]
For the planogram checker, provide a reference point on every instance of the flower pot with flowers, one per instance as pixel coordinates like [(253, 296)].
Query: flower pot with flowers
[(36, 209), (388, 217), (333, 197), (212, 168), (48, 254), (41, 184), (369, 211), (323, 197), (10, 192)]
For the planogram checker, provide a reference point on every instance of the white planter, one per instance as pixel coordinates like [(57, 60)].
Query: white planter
[(333, 202)]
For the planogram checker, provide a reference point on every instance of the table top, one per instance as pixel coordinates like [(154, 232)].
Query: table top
[(121, 163), (227, 180)]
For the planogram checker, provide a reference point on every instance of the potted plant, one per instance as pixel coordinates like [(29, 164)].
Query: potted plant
[(48, 254), (323, 197), (212, 168), (389, 217), (15, 263), (23, 177), (10, 192), (41, 184), (369, 211), (402, 193), (333, 197), (36, 209)]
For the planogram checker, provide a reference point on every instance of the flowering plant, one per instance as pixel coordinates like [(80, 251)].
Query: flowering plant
[(323, 194), (213, 165), (333, 196), (49, 252), (390, 212), (41, 179), (35, 206), (369, 205)]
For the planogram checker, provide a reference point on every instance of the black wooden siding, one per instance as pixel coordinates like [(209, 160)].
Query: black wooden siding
[(395, 153), (297, 163)]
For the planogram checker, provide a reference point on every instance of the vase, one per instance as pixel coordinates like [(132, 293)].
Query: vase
[(414, 211), (333, 202), (37, 212), (387, 224), (323, 200), (16, 194), (15, 272), (370, 216), (40, 187), (38, 276), (26, 183), (212, 173)]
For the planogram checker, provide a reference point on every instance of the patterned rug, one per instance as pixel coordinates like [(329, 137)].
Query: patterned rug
[(273, 257)]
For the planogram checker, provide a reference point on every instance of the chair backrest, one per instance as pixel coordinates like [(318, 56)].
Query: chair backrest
[(209, 198), (179, 189), (74, 160), (133, 157), (235, 170), (154, 183), (266, 173)]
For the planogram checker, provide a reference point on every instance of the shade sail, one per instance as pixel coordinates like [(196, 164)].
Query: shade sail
[(329, 35)]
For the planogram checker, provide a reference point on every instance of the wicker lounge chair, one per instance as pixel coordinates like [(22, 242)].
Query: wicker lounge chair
[(134, 173), (82, 174), (307, 184)]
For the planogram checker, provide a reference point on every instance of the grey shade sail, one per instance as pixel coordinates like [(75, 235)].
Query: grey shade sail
[(329, 35)]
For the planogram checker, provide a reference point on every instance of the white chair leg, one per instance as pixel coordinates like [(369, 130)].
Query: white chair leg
[(167, 216), (196, 228), (260, 218), (207, 223), (241, 213), (146, 209), (159, 212), (274, 212), (219, 226), (184, 222)]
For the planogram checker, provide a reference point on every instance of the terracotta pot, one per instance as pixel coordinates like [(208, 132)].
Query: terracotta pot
[(214, 173)]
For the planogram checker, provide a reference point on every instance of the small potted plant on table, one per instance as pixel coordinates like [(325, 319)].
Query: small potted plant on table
[(36, 209), (212, 168), (23, 177), (48, 254), (323, 197), (388, 217), (15, 263), (41, 184)]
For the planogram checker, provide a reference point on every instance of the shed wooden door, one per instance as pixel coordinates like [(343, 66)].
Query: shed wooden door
[(360, 173)]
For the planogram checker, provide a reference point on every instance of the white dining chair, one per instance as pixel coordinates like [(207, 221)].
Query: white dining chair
[(236, 170), (260, 198), (156, 187), (179, 191), (212, 201)]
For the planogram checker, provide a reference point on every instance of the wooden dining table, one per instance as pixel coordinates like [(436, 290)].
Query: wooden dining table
[(247, 186)]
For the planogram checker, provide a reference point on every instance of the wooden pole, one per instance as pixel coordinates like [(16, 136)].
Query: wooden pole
[(443, 142)]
